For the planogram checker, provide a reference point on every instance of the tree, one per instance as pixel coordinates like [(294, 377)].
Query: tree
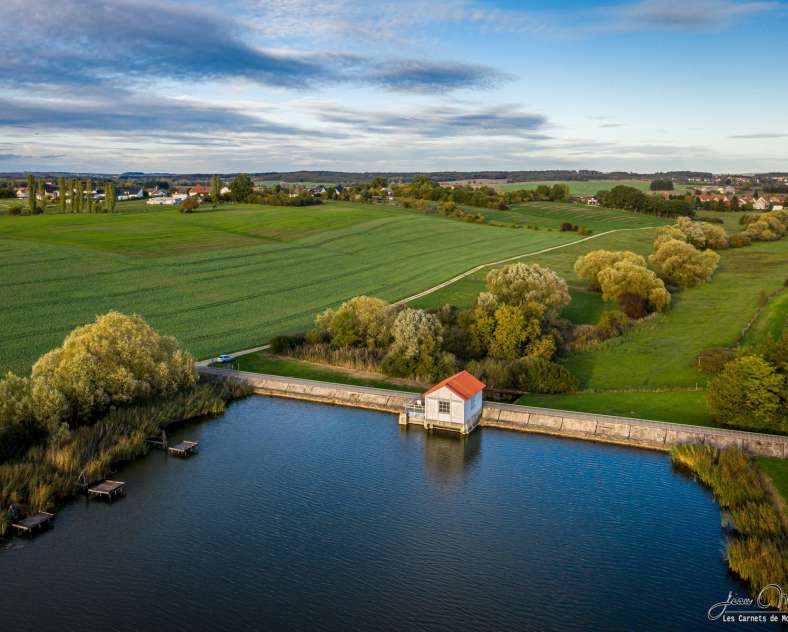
[(416, 347), (747, 393), (109, 197), (61, 187), (680, 264), (31, 193), (88, 196), (115, 360), (241, 188), (361, 321), (215, 190), (190, 204), (661, 185), (591, 264), (520, 284), (625, 277), (78, 197)]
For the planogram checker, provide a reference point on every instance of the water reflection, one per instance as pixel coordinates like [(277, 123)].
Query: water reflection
[(447, 455)]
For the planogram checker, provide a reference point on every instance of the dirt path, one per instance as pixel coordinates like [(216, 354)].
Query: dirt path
[(468, 273), (461, 276)]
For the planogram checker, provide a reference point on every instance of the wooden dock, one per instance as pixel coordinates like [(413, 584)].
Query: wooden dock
[(34, 523), (107, 489), (184, 448)]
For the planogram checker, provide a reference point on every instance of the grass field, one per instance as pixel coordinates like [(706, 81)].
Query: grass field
[(550, 215), (777, 470), (688, 407), (262, 362), (227, 279), (589, 187)]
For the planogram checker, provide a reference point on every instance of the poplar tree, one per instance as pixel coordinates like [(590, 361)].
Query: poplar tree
[(109, 197), (78, 198), (71, 194), (31, 193), (42, 189), (89, 197), (215, 190), (61, 186)]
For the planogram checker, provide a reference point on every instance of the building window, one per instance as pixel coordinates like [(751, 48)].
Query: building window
[(444, 408)]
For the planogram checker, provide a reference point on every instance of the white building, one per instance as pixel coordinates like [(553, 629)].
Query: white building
[(453, 404)]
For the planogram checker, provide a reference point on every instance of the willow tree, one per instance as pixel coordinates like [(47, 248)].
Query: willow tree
[(31, 193)]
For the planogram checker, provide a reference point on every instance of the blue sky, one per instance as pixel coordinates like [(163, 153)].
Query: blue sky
[(263, 85)]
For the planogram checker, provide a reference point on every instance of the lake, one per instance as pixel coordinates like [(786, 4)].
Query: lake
[(304, 516)]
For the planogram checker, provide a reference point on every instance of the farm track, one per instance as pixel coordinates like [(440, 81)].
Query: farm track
[(473, 270), (465, 274)]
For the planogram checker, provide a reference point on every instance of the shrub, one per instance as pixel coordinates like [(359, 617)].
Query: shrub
[(679, 263), (568, 227), (613, 323), (713, 360), (739, 240), (538, 375), (190, 204), (747, 394), (283, 345), (15, 209), (416, 347)]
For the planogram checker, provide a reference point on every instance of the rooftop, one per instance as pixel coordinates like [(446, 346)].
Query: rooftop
[(462, 383)]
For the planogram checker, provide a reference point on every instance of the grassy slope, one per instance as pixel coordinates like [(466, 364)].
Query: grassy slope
[(777, 470), (589, 187), (262, 362), (553, 214), (227, 279)]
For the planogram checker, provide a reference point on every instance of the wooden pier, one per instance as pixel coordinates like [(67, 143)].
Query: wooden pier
[(34, 523), (107, 489), (184, 448)]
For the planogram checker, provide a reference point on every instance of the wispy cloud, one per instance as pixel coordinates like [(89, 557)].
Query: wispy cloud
[(681, 15), (439, 122), (92, 41), (760, 135)]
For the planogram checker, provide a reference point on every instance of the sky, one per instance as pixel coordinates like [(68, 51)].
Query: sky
[(394, 85)]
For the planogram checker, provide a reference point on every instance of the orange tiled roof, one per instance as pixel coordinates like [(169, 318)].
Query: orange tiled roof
[(462, 383)]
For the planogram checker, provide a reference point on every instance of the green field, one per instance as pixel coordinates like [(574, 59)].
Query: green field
[(550, 215), (227, 279), (777, 470), (262, 362), (688, 407), (589, 187)]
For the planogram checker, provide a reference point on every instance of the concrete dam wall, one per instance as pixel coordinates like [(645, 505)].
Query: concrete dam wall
[(642, 433)]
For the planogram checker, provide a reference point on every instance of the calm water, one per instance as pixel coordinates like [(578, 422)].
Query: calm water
[(310, 517)]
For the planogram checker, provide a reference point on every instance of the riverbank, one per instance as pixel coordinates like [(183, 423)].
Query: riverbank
[(642, 433)]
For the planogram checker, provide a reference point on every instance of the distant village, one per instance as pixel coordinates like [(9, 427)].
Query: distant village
[(716, 192)]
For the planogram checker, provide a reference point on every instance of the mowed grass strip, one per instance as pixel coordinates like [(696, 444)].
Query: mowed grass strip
[(222, 281), (686, 407)]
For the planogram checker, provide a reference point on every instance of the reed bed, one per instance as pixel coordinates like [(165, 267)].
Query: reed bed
[(757, 548), (52, 471)]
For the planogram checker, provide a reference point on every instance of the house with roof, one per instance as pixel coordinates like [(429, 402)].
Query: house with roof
[(199, 189), (452, 404)]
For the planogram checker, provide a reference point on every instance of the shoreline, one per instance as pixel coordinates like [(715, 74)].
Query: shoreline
[(642, 433)]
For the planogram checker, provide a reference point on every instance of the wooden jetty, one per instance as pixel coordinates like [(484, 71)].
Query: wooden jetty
[(158, 441), (184, 448), (107, 489), (34, 523)]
